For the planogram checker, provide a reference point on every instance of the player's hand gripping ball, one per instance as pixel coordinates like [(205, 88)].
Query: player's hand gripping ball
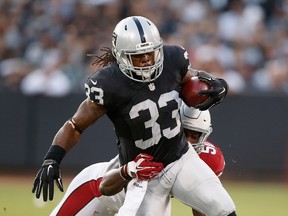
[(190, 92)]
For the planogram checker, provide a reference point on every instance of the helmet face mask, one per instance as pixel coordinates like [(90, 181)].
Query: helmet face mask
[(196, 120), (200, 144), (135, 36)]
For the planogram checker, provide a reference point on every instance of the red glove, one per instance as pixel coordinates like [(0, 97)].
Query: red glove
[(142, 167)]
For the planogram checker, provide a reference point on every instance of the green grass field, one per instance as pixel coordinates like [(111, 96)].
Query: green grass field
[(265, 199), (251, 199)]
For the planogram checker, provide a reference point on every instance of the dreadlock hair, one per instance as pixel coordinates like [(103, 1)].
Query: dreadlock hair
[(104, 59)]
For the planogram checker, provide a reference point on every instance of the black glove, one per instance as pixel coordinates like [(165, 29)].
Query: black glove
[(218, 91), (45, 177)]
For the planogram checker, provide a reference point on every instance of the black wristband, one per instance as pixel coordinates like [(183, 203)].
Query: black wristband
[(56, 153), (124, 174)]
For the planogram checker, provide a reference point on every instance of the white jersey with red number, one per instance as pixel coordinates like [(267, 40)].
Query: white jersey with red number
[(213, 157)]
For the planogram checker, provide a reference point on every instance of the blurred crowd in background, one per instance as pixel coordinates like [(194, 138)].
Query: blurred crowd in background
[(44, 44)]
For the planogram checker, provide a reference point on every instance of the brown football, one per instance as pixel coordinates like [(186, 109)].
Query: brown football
[(190, 89)]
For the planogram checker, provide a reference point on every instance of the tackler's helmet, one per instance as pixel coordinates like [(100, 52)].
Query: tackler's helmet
[(196, 120), (133, 36)]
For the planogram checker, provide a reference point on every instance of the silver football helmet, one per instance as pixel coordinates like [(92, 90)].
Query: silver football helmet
[(196, 120), (133, 36)]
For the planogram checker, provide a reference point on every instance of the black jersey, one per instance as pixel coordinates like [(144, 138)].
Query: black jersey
[(145, 115)]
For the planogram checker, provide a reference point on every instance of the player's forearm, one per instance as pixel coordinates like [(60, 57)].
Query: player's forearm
[(63, 141), (66, 137), (85, 116), (142, 167), (112, 183)]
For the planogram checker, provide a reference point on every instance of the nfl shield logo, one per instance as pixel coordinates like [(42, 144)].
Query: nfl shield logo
[(151, 86)]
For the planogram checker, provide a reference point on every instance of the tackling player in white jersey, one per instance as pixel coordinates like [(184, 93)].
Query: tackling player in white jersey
[(84, 196)]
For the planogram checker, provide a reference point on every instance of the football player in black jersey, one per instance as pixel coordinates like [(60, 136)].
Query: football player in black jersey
[(84, 195), (138, 89)]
